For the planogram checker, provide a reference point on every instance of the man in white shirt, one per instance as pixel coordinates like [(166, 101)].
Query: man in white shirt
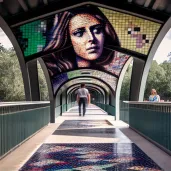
[(83, 97)]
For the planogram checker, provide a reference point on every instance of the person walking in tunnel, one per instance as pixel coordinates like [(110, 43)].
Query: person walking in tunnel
[(82, 35), (83, 97)]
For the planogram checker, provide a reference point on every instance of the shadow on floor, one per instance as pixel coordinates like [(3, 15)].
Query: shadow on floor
[(92, 132)]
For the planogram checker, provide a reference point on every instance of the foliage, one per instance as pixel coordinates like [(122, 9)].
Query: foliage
[(2, 49), (159, 78), (12, 88), (126, 84), (165, 91), (42, 84), (156, 79), (11, 81)]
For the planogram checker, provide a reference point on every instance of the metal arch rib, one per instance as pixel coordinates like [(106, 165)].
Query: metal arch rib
[(23, 5)]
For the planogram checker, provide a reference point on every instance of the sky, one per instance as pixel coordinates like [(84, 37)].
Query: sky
[(160, 55), (164, 49), (4, 40)]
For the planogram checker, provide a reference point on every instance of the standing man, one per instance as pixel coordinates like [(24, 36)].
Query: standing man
[(83, 97)]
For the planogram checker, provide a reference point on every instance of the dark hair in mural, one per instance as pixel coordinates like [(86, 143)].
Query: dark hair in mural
[(69, 35)]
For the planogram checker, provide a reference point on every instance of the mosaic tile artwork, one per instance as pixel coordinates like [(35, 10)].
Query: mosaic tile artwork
[(58, 80), (90, 157), (117, 64), (87, 81), (134, 33), (83, 123), (110, 79)]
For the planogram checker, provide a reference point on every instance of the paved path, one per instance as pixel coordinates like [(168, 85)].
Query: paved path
[(93, 142)]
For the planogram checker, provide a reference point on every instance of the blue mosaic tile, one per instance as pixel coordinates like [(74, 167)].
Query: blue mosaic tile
[(90, 157), (83, 123)]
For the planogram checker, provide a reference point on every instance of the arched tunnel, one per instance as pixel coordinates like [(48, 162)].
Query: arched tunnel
[(92, 43)]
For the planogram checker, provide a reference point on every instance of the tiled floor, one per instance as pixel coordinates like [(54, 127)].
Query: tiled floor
[(94, 142), (67, 124), (90, 110), (90, 157)]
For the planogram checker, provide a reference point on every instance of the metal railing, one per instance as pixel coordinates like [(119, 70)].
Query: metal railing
[(124, 112), (18, 122), (153, 120), (63, 108), (107, 108), (20, 106)]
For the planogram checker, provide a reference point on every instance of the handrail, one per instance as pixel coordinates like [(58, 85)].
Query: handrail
[(19, 125), (108, 108), (152, 120), (155, 106), (63, 108), (149, 103), (10, 107)]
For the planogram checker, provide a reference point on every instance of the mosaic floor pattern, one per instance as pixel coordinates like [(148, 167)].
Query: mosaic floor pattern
[(90, 157), (83, 123), (87, 111)]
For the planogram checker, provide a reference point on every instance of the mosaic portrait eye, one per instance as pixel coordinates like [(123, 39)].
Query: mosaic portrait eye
[(97, 29), (78, 33)]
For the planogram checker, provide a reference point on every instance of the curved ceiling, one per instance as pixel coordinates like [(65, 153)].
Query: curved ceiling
[(15, 11), (108, 78), (86, 80), (74, 91), (87, 85)]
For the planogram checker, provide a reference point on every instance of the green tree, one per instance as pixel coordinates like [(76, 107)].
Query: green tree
[(11, 82), (44, 96), (165, 92), (126, 84), (156, 79), (2, 49)]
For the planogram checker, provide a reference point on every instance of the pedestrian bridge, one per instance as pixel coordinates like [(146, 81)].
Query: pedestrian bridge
[(91, 42), (93, 142)]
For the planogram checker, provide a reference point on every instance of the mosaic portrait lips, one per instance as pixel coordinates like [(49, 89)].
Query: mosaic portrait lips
[(93, 49)]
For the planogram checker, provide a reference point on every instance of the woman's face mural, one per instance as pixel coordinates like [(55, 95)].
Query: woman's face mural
[(87, 36)]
